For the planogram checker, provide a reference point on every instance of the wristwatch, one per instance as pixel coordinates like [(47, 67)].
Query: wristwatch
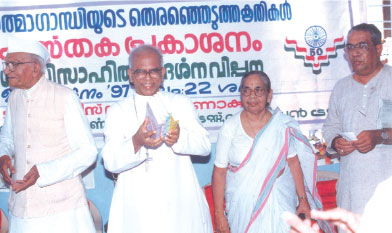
[(384, 136)]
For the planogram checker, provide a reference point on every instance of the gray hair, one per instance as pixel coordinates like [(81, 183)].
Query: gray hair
[(375, 34), (263, 76), (40, 60), (142, 49)]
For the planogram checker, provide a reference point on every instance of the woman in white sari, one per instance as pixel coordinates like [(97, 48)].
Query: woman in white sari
[(263, 166)]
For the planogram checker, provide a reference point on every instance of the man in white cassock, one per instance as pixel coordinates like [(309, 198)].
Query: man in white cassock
[(48, 136), (157, 189)]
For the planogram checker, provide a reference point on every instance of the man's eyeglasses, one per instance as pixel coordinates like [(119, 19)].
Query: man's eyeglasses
[(12, 65), (246, 91), (363, 46), (153, 73)]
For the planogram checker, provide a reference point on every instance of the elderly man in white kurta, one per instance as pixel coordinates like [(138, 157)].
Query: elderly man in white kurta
[(354, 106), (157, 189), (47, 134)]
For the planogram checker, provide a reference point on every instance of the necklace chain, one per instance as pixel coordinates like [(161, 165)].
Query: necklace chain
[(253, 128)]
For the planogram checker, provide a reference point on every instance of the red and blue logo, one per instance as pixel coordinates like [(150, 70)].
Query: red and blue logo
[(316, 54)]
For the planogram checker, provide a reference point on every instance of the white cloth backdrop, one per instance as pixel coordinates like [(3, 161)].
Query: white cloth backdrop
[(207, 46)]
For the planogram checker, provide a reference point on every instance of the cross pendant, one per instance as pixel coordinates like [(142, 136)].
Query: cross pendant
[(148, 159)]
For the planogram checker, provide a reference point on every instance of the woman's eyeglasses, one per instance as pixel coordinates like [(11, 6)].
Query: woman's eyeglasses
[(246, 91)]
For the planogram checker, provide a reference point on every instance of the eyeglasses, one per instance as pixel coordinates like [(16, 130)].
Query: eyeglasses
[(246, 91), (362, 46), (12, 65), (153, 73)]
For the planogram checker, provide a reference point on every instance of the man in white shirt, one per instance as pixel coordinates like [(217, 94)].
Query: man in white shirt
[(45, 144), (354, 108), (157, 189)]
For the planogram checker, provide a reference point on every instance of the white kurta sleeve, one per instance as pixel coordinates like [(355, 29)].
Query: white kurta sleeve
[(84, 151), (118, 152), (332, 125), (193, 138), (223, 146), (376, 215), (6, 138)]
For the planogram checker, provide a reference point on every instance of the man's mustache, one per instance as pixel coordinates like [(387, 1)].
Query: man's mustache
[(8, 77)]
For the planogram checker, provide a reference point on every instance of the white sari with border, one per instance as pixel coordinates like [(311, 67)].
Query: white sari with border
[(262, 188)]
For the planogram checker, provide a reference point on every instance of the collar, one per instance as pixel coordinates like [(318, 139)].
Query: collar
[(29, 92)]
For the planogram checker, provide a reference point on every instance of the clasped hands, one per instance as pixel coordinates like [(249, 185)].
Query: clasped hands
[(19, 185), (143, 137), (366, 142)]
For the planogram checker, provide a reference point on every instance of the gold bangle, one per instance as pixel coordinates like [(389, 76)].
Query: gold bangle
[(302, 197), (219, 211)]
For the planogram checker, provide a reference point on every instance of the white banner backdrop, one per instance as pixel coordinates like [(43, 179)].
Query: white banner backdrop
[(207, 47)]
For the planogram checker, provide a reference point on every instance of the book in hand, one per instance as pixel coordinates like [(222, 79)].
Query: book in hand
[(385, 114), (170, 124), (153, 124)]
